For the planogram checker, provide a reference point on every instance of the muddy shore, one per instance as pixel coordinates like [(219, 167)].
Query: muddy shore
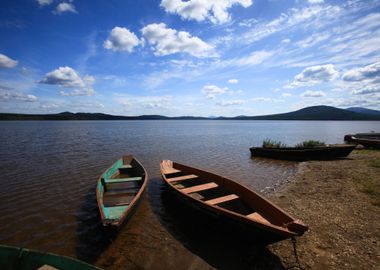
[(339, 200)]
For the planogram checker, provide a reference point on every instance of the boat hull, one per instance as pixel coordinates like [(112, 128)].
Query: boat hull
[(303, 154), (235, 227), (366, 140), (26, 259)]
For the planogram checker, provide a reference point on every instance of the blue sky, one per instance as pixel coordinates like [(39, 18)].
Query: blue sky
[(197, 57)]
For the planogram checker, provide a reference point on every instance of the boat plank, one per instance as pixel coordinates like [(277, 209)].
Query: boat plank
[(222, 199), (125, 166), (257, 217), (170, 171), (122, 180), (119, 199), (199, 188), (182, 178)]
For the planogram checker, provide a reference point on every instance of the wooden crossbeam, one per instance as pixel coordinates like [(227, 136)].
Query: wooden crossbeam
[(199, 188), (122, 180), (222, 199), (170, 171), (125, 166), (182, 178)]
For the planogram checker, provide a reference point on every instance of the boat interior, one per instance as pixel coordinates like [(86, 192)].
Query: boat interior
[(221, 192)]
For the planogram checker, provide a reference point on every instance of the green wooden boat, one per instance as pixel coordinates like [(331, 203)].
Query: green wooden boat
[(119, 190), (15, 258)]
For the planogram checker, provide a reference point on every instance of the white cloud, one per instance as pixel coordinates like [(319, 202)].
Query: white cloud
[(367, 90), (233, 81), (313, 40), (167, 41), (147, 102), (50, 106), (230, 102), (286, 94), (121, 39), (363, 80), (313, 94), (212, 90), (364, 73), (12, 95), (64, 7), (6, 62), (309, 18), (255, 58), (200, 10), (266, 99), (66, 77), (44, 2), (316, 1), (314, 75)]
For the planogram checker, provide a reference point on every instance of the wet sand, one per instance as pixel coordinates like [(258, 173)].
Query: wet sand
[(344, 226), (344, 220)]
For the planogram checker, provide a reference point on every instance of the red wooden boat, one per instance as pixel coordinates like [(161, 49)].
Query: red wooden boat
[(230, 201)]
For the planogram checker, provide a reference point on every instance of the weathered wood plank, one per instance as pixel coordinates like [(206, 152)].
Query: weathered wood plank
[(170, 171), (181, 178), (121, 180), (222, 199), (257, 217), (199, 188)]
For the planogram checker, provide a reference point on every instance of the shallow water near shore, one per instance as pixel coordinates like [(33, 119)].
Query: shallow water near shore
[(49, 171)]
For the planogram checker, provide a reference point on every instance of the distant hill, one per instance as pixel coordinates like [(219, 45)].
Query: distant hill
[(308, 113), (89, 116), (363, 110), (314, 113)]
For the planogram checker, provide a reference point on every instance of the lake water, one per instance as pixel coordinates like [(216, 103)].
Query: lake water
[(49, 171)]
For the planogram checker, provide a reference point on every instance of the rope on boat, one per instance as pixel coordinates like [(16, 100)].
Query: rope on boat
[(294, 242)]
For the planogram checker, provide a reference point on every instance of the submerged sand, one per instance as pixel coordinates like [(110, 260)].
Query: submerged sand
[(339, 200)]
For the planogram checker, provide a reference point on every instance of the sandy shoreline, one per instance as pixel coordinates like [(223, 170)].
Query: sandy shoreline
[(344, 227), (344, 221)]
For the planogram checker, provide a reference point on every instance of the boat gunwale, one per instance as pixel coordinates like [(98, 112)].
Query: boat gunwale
[(305, 149), (267, 226), (132, 204)]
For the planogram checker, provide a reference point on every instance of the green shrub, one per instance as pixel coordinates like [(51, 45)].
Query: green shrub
[(310, 144), (268, 143)]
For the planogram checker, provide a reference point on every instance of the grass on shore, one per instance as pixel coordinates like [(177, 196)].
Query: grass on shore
[(268, 143), (371, 186), (310, 144), (375, 163)]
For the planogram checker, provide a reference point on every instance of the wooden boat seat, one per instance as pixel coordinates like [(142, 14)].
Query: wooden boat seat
[(222, 199), (170, 170), (117, 200), (122, 180), (257, 217), (182, 178), (199, 188), (125, 166)]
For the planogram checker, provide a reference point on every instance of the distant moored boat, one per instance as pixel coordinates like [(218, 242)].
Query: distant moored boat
[(119, 190), (365, 139), (326, 152)]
